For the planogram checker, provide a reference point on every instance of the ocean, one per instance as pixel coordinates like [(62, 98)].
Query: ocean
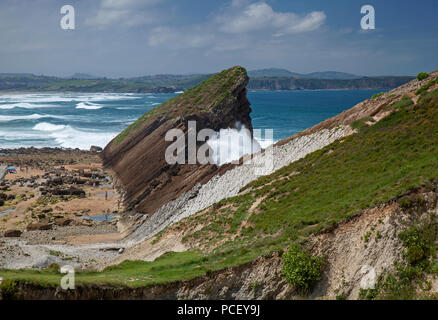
[(83, 120)]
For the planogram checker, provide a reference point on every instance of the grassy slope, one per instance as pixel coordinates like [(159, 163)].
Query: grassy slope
[(377, 164)]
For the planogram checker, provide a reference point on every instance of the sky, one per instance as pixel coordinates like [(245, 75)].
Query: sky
[(124, 38)]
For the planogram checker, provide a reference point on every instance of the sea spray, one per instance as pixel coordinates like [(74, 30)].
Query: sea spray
[(231, 144)]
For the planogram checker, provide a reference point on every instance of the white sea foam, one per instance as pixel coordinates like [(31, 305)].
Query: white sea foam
[(23, 105), (28, 117), (75, 138), (53, 98), (45, 126), (88, 106), (47, 134)]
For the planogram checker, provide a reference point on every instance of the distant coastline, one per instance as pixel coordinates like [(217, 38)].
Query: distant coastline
[(34, 84), (5, 93)]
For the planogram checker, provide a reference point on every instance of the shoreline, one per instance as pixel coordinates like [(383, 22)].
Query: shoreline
[(44, 150)]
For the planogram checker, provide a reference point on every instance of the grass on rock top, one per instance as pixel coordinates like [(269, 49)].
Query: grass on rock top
[(204, 97), (380, 163)]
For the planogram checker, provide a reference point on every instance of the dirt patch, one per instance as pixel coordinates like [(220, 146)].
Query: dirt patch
[(94, 238)]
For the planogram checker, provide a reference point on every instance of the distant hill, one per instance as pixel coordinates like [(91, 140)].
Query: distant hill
[(264, 79), (272, 72), (332, 75), (281, 73), (84, 76), (290, 83)]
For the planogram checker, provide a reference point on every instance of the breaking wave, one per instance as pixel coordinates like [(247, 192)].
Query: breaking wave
[(23, 105), (34, 116), (45, 126), (231, 144), (74, 138), (88, 106)]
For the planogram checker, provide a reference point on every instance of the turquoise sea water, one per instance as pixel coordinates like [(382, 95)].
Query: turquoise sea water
[(82, 120)]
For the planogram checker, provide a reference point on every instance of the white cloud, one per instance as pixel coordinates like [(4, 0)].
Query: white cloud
[(180, 39), (261, 16), (125, 4), (123, 12), (236, 27)]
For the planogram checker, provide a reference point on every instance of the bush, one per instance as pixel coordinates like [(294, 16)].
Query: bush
[(419, 241), (301, 269), (8, 289), (422, 76), (54, 267)]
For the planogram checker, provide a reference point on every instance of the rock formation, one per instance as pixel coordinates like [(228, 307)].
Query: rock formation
[(137, 155)]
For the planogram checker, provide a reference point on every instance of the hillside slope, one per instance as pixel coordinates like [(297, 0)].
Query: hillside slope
[(393, 152), (363, 194)]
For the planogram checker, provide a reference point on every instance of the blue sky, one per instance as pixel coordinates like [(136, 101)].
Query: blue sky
[(119, 38)]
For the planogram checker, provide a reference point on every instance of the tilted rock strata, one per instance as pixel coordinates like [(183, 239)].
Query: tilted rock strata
[(137, 155)]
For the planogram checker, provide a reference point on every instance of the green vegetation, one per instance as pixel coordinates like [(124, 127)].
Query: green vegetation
[(169, 267), (360, 124), (404, 102), (427, 86), (381, 162), (377, 95), (301, 269), (422, 76), (409, 275), (254, 286), (8, 289), (159, 83), (366, 236), (419, 241), (378, 234)]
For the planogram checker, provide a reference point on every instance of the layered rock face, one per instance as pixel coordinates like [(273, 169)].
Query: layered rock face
[(137, 155)]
